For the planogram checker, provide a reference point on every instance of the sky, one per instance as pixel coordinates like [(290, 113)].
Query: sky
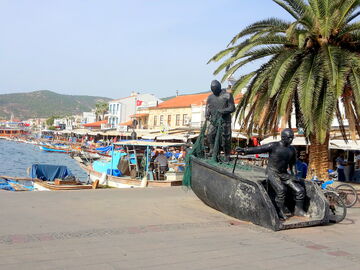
[(110, 48)]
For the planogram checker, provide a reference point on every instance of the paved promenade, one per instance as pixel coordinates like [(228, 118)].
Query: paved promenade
[(160, 228)]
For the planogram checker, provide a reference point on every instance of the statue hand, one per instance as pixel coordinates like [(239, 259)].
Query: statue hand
[(240, 150)]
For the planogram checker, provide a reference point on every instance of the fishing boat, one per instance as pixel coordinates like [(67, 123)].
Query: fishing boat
[(109, 174), (45, 177), (62, 185), (10, 184), (56, 148), (245, 195)]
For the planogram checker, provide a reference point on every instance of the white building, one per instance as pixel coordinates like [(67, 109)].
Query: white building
[(121, 109), (69, 122), (197, 115), (88, 117)]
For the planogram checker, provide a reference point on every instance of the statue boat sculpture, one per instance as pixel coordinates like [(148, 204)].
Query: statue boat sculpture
[(245, 195), (246, 192)]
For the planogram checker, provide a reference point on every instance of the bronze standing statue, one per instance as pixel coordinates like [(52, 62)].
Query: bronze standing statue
[(282, 156), (219, 104)]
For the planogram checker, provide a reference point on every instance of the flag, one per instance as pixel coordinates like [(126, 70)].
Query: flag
[(139, 102)]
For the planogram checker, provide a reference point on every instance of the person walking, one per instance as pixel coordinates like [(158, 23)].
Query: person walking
[(340, 165)]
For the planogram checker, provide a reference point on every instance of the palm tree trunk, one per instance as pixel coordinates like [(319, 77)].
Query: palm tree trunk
[(318, 158)]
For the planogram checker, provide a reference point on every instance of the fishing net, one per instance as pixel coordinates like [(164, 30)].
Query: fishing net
[(198, 151)]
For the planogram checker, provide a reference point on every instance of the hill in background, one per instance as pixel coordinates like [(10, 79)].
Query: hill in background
[(44, 104)]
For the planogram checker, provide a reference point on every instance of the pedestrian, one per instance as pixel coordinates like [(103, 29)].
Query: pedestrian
[(340, 164), (301, 167)]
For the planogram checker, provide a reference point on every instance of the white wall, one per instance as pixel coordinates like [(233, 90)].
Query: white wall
[(127, 107)]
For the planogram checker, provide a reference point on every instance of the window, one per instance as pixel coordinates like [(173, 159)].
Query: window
[(177, 123), (169, 120), (185, 119), (161, 120), (155, 120)]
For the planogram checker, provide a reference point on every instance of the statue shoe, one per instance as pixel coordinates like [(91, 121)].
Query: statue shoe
[(282, 215), (299, 209), (281, 211)]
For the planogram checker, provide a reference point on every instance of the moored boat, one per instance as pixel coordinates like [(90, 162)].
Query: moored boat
[(173, 179), (138, 175), (54, 149)]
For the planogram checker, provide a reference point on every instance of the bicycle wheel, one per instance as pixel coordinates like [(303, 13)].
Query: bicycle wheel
[(337, 207), (348, 194)]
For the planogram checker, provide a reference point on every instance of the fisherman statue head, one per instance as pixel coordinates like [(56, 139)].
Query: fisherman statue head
[(216, 87), (287, 136)]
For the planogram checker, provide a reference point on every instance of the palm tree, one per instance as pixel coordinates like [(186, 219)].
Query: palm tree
[(100, 109), (310, 66)]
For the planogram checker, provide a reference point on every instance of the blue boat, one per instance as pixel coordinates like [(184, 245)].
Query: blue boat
[(13, 185), (57, 150)]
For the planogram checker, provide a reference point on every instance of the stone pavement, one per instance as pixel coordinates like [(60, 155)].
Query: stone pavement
[(159, 228)]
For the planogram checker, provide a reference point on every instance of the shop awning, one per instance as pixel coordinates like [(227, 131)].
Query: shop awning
[(341, 144), (176, 137), (238, 135), (298, 141), (147, 143), (149, 136)]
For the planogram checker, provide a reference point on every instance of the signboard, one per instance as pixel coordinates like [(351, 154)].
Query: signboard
[(122, 128)]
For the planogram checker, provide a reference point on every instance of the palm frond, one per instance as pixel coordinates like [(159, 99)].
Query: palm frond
[(242, 82), (324, 112), (250, 56), (352, 17), (346, 9), (340, 121), (287, 61), (221, 54), (271, 24), (287, 8)]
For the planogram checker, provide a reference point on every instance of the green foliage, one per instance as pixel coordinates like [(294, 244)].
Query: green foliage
[(101, 108), (43, 104), (51, 128), (50, 121), (311, 64)]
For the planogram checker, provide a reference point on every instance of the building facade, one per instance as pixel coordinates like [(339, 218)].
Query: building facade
[(176, 112), (121, 110)]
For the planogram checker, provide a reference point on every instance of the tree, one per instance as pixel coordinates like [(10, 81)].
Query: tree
[(50, 121), (100, 109), (311, 66)]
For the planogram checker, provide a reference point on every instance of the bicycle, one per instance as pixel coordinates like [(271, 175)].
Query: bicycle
[(346, 192), (337, 206)]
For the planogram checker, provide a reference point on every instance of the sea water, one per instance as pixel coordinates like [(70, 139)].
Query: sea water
[(16, 157)]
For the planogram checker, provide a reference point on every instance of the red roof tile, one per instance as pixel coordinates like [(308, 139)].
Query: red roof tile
[(139, 115), (96, 124), (184, 101), (188, 100), (128, 123)]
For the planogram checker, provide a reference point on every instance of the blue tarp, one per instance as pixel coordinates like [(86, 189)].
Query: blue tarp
[(49, 172), (5, 184), (104, 149), (101, 166)]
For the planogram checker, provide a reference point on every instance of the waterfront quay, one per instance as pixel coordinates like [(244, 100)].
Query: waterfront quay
[(157, 228)]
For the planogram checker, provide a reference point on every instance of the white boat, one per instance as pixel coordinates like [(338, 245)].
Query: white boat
[(172, 177)]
